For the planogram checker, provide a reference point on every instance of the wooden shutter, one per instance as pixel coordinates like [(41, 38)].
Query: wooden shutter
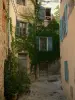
[(30, 28), (61, 29), (27, 28), (42, 13), (66, 70), (49, 43), (17, 27), (66, 18)]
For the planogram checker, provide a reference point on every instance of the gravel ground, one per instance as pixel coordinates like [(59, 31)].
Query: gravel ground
[(45, 89)]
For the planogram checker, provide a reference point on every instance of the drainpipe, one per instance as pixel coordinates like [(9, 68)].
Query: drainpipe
[(8, 27)]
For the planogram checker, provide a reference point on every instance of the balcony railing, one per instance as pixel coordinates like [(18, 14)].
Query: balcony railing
[(48, 17)]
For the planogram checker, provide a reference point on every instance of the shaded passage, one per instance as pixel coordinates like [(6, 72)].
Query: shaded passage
[(45, 89)]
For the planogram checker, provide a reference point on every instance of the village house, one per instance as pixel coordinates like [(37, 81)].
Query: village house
[(20, 13), (45, 41), (67, 48)]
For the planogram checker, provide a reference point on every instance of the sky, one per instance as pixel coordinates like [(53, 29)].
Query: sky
[(50, 4)]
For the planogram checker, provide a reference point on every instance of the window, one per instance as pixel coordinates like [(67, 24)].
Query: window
[(48, 14), (45, 13), (66, 71), (21, 2), (21, 28), (44, 43)]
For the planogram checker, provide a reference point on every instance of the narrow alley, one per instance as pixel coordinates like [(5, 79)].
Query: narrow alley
[(45, 89)]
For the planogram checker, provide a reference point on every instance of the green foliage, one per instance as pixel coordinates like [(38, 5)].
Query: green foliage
[(23, 82), (10, 25), (10, 76), (16, 81), (29, 43), (57, 14), (37, 29), (50, 31)]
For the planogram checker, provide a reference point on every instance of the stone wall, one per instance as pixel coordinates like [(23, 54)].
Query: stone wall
[(3, 47)]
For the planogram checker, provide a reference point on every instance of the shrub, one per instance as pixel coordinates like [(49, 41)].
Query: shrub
[(15, 81)]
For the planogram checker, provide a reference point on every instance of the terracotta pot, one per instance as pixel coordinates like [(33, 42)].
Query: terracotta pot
[(14, 97)]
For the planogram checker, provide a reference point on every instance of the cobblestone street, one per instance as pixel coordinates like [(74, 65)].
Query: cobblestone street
[(45, 89)]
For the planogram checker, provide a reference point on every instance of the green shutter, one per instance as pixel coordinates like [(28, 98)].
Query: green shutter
[(17, 27), (61, 29), (49, 43), (41, 13), (66, 70), (66, 18), (30, 26), (37, 42)]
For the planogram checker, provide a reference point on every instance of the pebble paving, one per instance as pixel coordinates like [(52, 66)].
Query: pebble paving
[(44, 90)]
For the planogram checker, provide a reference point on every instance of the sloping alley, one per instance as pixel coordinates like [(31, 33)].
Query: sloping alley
[(45, 89)]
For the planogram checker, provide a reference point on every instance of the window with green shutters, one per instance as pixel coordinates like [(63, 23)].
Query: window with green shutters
[(21, 28), (44, 43), (66, 71)]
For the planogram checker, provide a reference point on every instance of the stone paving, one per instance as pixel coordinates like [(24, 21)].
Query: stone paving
[(45, 89)]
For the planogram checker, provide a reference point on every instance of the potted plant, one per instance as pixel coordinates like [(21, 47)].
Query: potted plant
[(16, 81), (10, 77)]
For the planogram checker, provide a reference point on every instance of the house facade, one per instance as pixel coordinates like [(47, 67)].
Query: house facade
[(67, 49), (46, 13), (3, 44), (21, 14), (45, 39), (25, 11)]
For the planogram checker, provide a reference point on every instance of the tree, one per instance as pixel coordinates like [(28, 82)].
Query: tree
[(57, 15)]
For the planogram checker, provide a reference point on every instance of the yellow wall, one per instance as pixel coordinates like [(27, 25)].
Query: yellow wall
[(3, 50), (21, 10), (24, 12)]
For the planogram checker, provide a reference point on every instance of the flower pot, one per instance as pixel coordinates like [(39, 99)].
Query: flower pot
[(14, 97)]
